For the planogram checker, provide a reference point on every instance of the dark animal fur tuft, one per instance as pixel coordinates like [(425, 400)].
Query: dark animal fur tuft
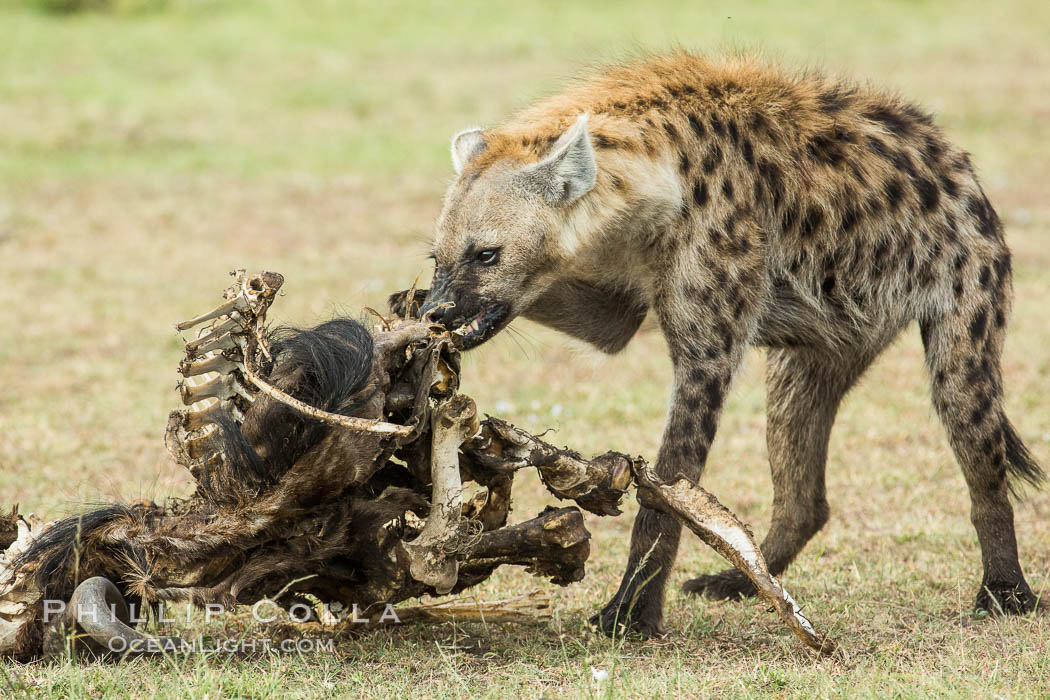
[(57, 549), (328, 367)]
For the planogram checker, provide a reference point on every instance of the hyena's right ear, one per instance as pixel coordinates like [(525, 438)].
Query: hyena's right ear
[(466, 146), (569, 171)]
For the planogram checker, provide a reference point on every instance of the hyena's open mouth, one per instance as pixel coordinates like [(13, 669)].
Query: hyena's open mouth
[(483, 326)]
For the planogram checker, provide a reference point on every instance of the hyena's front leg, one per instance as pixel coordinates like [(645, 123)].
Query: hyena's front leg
[(707, 330), (804, 387)]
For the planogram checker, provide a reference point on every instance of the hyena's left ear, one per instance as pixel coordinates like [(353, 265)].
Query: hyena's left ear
[(569, 172), (466, 146)]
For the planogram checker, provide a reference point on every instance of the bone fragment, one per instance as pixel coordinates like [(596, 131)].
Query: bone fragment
[(530, 606), (223, 386), (238, 303), (713, 523), (431, 554), (353, 423), (214, 363), (211, 342)]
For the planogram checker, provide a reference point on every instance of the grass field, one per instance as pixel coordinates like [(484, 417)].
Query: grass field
[(144, 155)]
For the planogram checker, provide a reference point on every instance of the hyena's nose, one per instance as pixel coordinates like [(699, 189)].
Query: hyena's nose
[(439, 301), (440, 309), (431, 306)]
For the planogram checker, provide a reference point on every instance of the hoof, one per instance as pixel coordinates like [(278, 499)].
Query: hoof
[(726, 585), (1006, 598), (618, 621)]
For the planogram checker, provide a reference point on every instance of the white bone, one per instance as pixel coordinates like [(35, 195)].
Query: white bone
[(431, 559), (351, 422), (701, 512), (231, 326), (195, 420), (238, 303), (214, 363), (223, 386), (210, 343)]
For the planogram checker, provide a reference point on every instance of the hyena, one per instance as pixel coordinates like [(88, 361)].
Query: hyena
[(745, 205)]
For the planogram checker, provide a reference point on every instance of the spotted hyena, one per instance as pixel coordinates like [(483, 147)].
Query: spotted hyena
[(744, 205)]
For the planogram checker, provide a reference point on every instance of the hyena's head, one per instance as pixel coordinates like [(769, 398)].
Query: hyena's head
[(501, 237)]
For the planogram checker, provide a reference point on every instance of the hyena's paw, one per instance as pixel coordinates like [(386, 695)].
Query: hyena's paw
[(725, 585), (616, 620), (1006, 598)]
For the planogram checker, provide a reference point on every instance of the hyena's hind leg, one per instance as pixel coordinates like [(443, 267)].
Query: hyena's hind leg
[(962, 350), (804, 388)]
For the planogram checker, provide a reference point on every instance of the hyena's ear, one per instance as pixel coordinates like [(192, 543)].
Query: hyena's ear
[(569, 172), (466, 146)]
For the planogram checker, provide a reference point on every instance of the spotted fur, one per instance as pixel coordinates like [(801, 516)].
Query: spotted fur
[(744, 205)]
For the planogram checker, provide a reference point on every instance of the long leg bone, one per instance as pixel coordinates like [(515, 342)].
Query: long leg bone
[(554, 544), (431, 554), (721, 530)]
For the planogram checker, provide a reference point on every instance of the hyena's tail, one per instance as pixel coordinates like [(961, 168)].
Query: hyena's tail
[(1020, 465)]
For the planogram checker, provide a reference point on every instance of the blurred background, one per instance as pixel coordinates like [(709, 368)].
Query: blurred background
[(148, 147)]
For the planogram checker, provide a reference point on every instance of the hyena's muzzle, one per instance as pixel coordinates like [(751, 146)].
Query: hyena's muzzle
[(461, 309)]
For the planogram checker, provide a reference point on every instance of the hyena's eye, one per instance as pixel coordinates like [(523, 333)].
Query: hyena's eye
[(488, 256)]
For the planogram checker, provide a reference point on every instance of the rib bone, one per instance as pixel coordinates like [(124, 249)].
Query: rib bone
[(351, 422), (210, 342), (215, 363), (223, 386), (238, 303), (195, 420)]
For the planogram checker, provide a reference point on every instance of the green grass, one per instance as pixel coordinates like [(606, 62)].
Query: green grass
[(145, 154)]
